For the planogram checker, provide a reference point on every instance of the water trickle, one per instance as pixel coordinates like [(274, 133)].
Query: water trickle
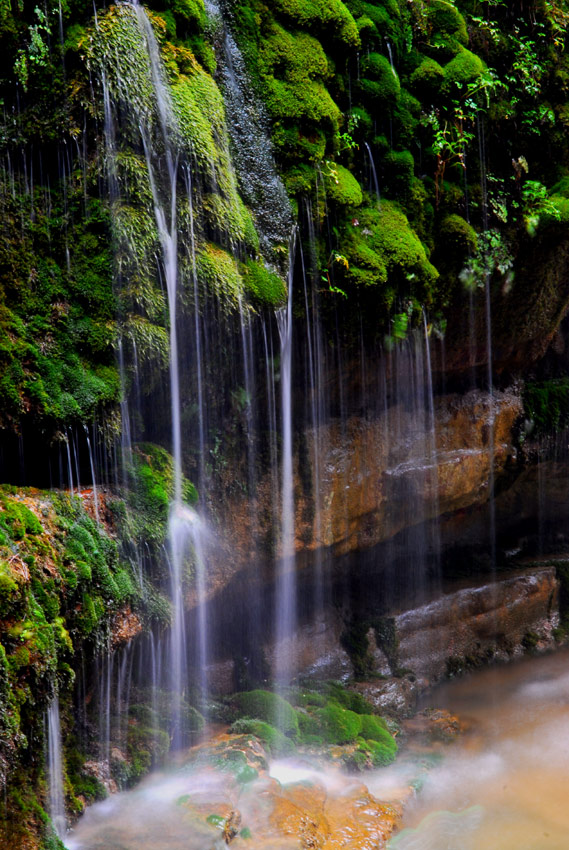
[(286, 578), (373, 173), (55, 770), (390, 54), (92, 465)]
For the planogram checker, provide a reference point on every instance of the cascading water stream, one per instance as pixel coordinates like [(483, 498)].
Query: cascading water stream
[(167, 226), (55, 770), (286, 578), (373, 173), (92, 465)]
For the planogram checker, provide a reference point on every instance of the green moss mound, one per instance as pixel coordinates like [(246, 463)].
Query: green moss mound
[(270, 707), (274, 740), (381, 247), (427, 79), (262, 284), (294, 68), (341, 186), (447, 23), (330, 16), (348, 698), (380, 753), (378, 81), (466, 67), (338, 725)]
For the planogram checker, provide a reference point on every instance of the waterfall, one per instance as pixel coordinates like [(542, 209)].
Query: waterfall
[(181, 520), (286, 578), (55, 770), (373, 173), (92, 465)]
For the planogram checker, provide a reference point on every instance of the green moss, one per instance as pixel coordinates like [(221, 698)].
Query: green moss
[(426, 80), (310, 727), (17, 519), (274, 740), (294, 68), (143, 516), (374, 729), (378, 83), (399, 169), (191, 11), (341, 186), (382, 753), (331, 16), (546, 404), (218, 273), (339, 725), (262, 284), (270, 707), (466, 67), (381, 248), (348, 698), (305, 699), (458, 237), (447, 24), (9, 589)]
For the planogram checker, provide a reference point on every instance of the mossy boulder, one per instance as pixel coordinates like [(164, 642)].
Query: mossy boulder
[(341, 186), (426, 80), (446, 23), (331, 17), (270, 707), (338, 725), (348, 698), (294, 68), (273, 739), (399, 169), (466, 67), (381, 247), (378, 82), (262, 284), (381, 753)]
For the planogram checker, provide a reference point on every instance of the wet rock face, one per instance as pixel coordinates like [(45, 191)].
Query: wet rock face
[(125, 626), (474, 626), (306, 814), (375, 477), (381, 476)]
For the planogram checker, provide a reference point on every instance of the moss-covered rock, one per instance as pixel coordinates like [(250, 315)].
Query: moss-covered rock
[(339, 725), (263, 284), (329, 16), (276, 743), (379, 83), (269, 707), (341, 186), (466, 67), (426, 80)]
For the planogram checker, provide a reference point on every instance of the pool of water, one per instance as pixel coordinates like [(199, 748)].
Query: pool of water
[(504, 785)]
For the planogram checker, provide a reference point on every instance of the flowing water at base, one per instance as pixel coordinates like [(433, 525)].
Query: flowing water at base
[(504, 785)]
